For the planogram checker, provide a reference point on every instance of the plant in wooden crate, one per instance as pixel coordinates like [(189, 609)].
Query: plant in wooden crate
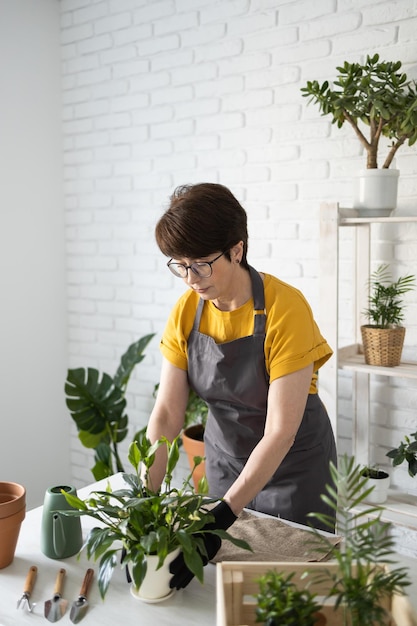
[(138, 525), (406, 452), (383, 337), (366, 577), (97, 405), (279, 601), (376, 99)]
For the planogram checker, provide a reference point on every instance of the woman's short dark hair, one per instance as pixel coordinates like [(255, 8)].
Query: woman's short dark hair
[(202, 219)]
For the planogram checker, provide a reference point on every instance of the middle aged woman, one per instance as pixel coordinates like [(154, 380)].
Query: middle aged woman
[(247, 343)]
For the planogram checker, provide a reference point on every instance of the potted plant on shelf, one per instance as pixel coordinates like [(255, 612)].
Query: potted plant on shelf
[(383, 337), (363, 583), (377, 100), (379, 481), (279, 601), (145, 529), (406, 452), (97, 405)]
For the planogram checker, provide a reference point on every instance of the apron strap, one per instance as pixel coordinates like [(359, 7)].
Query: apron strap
[(258, 301)]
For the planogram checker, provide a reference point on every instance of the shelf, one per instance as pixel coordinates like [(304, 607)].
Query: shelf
[(350, 217), (400, 509), (351, 358)]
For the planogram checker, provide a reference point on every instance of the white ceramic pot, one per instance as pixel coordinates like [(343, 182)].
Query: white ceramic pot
[(155, 586), (379, 492), (376, 190)]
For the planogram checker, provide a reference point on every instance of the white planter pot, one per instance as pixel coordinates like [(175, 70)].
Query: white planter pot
[(379, 493), (376, 191), (155, 586)]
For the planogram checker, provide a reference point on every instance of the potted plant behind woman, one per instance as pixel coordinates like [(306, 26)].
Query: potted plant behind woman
[(383, 338), (375, 94), (193, 437), (145, 529)]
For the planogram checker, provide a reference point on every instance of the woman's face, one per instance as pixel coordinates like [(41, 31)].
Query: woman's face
[(222, 282)]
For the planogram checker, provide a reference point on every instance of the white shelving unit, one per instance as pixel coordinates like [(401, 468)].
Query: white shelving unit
[(400, 508)]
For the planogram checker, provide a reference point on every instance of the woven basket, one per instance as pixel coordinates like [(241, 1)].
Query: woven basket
[(383, 346)]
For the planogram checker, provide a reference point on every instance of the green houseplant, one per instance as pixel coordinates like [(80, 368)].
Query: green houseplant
[(375, 94), (362, 581), (376, 100), (383, 337), (406, 452), (97, 404), (279, 601), (379, 480), (136, 523)]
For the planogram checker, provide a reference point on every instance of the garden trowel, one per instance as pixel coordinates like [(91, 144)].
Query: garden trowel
[(79, 606), (56, 607)]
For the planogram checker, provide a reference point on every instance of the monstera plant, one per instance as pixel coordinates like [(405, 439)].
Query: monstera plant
[(97, 404)]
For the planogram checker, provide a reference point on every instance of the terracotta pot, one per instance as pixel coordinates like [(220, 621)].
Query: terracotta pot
[(12, 513), (193, 442), (155, 586)]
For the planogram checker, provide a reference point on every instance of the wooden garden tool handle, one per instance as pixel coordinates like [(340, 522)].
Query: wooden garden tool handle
[(88, 579), (59, 582), (30, 580)]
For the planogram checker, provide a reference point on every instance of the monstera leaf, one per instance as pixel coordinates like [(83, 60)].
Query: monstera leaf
[(97, 405), (94, 402), (132, 356)]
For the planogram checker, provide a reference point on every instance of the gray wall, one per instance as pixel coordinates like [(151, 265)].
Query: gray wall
[(34, 423)]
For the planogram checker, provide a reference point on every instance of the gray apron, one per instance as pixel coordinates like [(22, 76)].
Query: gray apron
[(232, 379)]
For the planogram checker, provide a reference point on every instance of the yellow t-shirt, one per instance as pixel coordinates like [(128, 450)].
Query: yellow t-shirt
[(292, 338)]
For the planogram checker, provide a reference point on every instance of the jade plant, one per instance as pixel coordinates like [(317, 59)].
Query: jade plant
[(406, 452), (135, 521), (97, 404), (376, 99)]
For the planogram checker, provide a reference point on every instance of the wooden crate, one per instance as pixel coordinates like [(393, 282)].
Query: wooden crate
[(237, 585)]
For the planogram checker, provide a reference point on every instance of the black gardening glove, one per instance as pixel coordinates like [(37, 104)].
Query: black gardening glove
[(223, 518)]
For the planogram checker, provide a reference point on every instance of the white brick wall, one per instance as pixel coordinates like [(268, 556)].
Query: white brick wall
[(156, 94)]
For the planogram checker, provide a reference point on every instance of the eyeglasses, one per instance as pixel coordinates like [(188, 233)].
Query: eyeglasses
[(202, 269)]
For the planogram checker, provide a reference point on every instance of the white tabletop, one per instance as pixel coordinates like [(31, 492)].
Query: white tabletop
[(194, 605)]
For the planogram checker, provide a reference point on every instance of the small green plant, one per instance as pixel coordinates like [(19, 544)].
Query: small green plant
[(280, 602), (371, 471), (385, 302), (196, 411), (406, 452), (376, 95), (362, 580), (135, 521), (97, 405)]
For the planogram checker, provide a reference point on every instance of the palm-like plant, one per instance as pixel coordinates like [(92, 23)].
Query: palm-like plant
[(97, 405), (386, 307), (361, 582)]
